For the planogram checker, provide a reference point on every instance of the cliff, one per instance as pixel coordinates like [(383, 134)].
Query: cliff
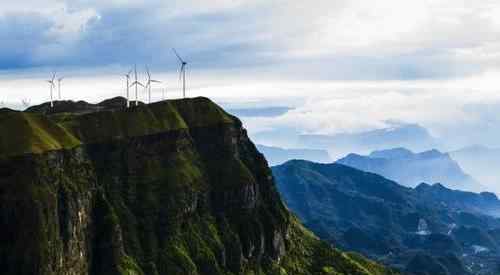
[(174, 187)]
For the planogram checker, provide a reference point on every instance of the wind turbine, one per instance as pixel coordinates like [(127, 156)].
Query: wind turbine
[(136, 84), (59, 86), (148, 84), (182, 74), (128, 88), (52, 86)]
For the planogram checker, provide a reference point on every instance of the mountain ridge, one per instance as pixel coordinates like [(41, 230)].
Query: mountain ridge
[(411, 169), (398, 225)]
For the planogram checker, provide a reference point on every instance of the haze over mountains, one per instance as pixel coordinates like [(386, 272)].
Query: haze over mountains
[(276, 155), (410, 136), (411, 169), (482, 162)]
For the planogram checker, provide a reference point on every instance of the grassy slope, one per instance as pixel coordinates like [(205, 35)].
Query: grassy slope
[(22, 133)]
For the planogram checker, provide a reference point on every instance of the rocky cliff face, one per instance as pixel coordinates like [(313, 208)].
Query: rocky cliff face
[(169, 188)]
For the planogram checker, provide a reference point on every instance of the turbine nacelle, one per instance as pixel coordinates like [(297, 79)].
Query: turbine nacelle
[(137, 83)]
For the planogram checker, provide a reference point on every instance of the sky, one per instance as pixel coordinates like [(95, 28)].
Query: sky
[(343, 65)]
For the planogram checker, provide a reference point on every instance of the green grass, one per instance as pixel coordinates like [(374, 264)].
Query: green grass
[(22, 133)]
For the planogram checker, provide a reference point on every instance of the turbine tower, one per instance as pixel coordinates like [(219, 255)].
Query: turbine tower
[(128, 88), (148, 84), (52, 86), (59, 86), (182, 74), (136, 84)]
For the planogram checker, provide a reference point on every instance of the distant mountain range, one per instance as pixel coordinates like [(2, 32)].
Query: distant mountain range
[(276, 155), (478, 162), (427, 230), (411, 169), (412, 136)]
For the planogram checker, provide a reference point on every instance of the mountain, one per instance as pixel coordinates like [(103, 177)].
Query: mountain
[(477, 161), (79, 107), (410, 169), (484, 203), (412, 136), (277, 155), (409, 229), (174, 187)]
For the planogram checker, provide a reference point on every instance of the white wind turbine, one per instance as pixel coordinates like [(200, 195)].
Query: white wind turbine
[(59, 80), (136, 84), (128, 88), (182, 74), (148, 84), (52, 86)]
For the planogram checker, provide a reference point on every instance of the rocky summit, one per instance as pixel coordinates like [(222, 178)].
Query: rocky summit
[(174, 187)]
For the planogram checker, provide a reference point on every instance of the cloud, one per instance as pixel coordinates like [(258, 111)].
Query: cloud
[(455, 111), (329, 39)]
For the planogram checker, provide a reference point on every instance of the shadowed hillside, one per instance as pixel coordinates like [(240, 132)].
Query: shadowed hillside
[(411, 229)]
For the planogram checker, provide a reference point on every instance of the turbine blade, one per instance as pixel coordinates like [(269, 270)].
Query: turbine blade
[(137, 83), (178, 56)]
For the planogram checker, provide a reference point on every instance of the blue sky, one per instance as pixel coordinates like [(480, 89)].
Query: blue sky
[(326, 39), (345, 65)]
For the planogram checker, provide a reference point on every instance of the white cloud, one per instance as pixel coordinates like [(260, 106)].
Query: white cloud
[(339, 39), (272, 51)]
